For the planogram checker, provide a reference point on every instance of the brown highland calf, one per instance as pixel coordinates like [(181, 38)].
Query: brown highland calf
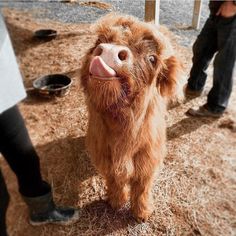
[(128, 77)]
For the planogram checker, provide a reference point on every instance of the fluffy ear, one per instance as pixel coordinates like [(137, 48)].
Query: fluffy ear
[(171, 80)]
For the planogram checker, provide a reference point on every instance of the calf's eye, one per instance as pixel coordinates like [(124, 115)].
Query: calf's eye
[(152, 59)]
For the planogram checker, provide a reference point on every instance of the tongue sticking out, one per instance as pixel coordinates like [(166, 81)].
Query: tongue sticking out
[(99, 68)]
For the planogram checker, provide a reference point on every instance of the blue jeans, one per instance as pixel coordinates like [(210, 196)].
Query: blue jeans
[(217, 36)]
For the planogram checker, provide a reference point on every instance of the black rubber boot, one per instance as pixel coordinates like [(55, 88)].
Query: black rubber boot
[(44, 211)]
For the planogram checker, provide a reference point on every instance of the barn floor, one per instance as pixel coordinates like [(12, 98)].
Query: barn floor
[(196, 188)]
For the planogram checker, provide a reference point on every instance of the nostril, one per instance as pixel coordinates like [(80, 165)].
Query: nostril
[(123, 55), (98, 51)]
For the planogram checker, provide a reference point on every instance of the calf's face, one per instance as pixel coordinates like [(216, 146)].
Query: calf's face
[(127, 58)]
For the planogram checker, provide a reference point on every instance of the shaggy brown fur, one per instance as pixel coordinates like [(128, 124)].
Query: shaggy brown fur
[(127, 131)]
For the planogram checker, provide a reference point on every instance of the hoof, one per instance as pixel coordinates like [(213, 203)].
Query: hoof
[(118, 202), (142, 215)]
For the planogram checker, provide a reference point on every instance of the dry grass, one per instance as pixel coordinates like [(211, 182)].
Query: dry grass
[(97, 4), (196, 188)]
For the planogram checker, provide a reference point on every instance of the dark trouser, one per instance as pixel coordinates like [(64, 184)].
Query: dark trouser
[(217, 36), (4, 201), (16, 147)]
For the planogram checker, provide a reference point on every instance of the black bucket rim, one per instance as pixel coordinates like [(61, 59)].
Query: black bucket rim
[(52, 79), (45, 33)]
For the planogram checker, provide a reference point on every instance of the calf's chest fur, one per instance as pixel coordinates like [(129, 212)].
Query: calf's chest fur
[(143, 130)]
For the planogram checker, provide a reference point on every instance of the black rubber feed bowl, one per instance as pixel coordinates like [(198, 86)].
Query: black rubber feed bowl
[(46, 34), (52, 85)]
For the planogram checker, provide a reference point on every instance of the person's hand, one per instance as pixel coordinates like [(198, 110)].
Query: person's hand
[(227, 9)]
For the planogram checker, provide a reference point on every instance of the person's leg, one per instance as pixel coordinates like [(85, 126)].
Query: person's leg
[(4, 202), (224, 62), (204, 49), (16, 147)]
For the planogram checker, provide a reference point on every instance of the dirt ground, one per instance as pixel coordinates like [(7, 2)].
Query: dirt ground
[(195, 192)]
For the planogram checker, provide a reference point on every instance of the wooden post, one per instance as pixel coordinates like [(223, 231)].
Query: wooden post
[(152, 10), (196, 14)]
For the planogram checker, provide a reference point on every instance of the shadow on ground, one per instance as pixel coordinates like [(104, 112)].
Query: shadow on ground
[(186, 126), (67, 154)]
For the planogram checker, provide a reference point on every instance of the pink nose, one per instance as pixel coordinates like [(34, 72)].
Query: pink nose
[(115, 56)]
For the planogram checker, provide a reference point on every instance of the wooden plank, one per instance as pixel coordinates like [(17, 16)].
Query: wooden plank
[(157, 11), (196, 14), (152, 11)]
